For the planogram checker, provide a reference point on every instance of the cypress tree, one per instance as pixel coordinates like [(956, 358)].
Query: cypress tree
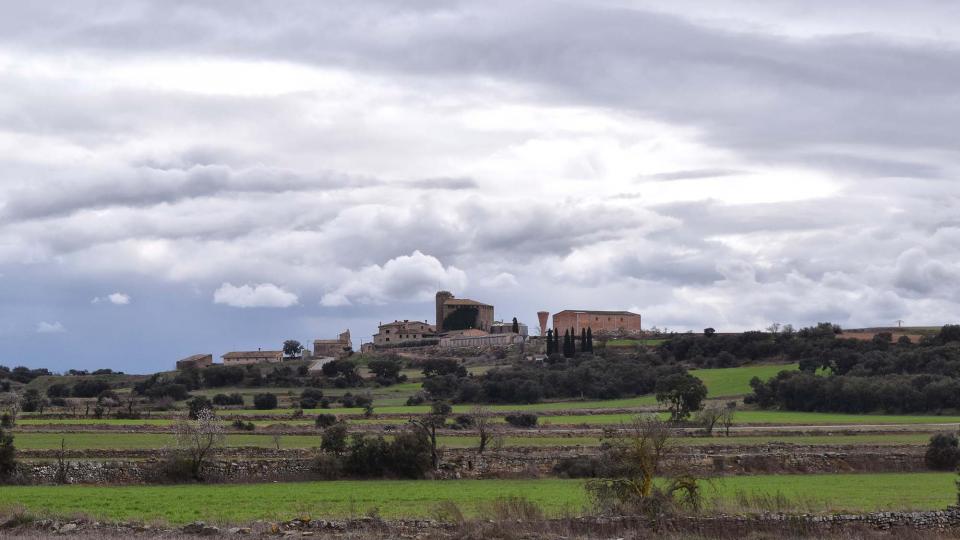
[(550, 349), (589, 340), (583, 340), (566, 344), (516, 326)]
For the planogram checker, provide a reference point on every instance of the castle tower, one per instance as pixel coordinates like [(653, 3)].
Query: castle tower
[(442, 298), (543, 316)]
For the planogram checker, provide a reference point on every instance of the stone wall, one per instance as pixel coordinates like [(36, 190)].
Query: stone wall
[(252, 465)]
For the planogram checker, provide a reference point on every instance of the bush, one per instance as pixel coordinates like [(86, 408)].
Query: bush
[(32, 401), (89, 389), (334, 439), (177, 392), (265, 401), (244, 426), (328, 466), (406, 456), (943, 453), (310, 398), (224, 399), (58, 390), (198, 404), (522, 420), (8, 463), (324, 421)]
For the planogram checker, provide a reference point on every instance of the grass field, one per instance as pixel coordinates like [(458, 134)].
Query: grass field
[(742, 417), (728, 382), (247, 502), (135, 441)]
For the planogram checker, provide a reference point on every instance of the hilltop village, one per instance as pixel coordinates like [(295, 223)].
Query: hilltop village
[(460, 323)]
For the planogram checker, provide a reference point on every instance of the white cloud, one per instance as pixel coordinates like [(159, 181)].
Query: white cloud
[(261, 295), (117, 298), (44, 327), (414, 277)]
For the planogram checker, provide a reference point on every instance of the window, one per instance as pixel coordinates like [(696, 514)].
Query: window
[(388, 331), (388, 339)]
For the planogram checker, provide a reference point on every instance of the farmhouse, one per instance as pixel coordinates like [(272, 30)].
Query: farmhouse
[(195, 361), (333, 347), (405, 331), (238, 358), (599, 322)]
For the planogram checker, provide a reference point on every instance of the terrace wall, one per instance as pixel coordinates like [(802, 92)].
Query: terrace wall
[(262, 464)]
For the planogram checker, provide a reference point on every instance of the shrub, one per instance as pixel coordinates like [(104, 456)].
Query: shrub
[(328, 466), (177, 392), (334, 439), (32, 401), (89, 389), (522, 420), (198, 404), (265, 401), (943, 453), (8, 463), (463, 421), (58, 390), (406, 456), (224, 399), (241, 425), (310, 398), (325, 420)]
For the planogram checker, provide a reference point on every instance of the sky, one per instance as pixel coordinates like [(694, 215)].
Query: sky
[(206, 176)]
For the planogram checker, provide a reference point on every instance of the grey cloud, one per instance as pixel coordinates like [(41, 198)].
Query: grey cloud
[(691, 174), (444, 183), (143, 186)]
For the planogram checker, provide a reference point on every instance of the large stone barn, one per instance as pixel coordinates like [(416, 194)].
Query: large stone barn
[(599, 322), (462, 314)]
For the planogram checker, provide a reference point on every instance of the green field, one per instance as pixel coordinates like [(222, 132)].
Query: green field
[(134, 441), (728, 382), (392, 499), (753, 417)]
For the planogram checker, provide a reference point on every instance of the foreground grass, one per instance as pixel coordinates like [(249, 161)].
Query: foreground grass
[(393, 499), (148, 441)]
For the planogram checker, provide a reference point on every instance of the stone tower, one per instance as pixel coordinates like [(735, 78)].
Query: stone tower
[(543, 317), (442, 297)]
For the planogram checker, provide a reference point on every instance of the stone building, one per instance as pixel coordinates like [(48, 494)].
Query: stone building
[(405, 331), (462, 313), (334, 348), (239, 358), (195, 361), (506, 327), (599, 322), (476, 338)]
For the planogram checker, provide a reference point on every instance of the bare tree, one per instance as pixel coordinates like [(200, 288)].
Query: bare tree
[(197, 439), (481, 422), (726, 416), (709, 417)]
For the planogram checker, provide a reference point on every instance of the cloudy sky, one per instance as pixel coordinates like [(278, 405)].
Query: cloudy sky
[(182, 177)]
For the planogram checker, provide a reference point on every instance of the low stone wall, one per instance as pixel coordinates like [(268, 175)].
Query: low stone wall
[(895, 524), (264, 464)]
